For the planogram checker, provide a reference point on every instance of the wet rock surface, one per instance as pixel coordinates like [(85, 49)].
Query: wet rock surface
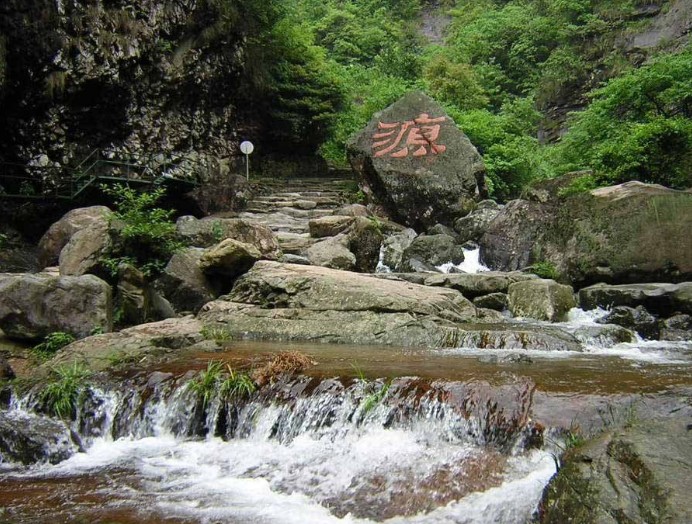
[(662, 299), (27, 439), (638, 474), (431, 251)]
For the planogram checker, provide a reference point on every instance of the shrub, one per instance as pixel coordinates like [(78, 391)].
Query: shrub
[(206, 383), (544, 270), (145, 234), (52, 344), (62, 394), (237, 384)]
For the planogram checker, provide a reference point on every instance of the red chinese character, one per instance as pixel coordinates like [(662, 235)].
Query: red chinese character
[(419, 134)]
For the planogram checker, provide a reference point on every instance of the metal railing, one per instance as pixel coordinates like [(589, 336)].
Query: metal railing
[(20, 181)]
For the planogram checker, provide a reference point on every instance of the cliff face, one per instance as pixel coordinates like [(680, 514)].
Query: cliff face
[(138, 77)]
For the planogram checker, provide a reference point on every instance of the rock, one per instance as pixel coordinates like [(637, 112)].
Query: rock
[(304, 204), (35, 305), (677, 328), (508, 240), (183, 283), (27, 438), (393, 248), (660, 299), (364, 240), (291, 302), (603, 336), (142, 343), (209, 231), (473, 226), (440, 229), (229, 258), (85, 250), (6, 371), (637, 319), (132, 294), (332, 253), (597, 236), (637, 475), (352, 210), (289, 258), (471, 285), (505, 335), (432, 250), (329, 226), (60, 233), (542, 299), (417, 163), (496, 301)]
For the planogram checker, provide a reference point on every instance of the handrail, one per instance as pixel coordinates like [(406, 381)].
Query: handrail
[(92, 168)]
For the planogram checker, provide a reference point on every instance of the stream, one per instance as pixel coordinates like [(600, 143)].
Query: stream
[(366, 435)]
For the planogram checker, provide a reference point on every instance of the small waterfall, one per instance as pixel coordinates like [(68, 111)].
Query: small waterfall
[(327, 448)]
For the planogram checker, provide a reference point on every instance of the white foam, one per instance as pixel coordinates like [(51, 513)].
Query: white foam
[(471, 263)]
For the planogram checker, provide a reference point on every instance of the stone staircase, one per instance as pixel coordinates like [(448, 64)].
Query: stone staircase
[(287, 206)]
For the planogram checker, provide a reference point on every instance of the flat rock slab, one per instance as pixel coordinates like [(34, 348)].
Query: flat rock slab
[(295, 302), (135, 344), (471, 285)]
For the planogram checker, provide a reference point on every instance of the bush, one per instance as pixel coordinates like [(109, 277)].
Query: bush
[(52, 344), (145, 235), (62, 394)]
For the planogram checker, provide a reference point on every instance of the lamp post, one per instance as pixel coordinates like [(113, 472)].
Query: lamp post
[(246, 148)]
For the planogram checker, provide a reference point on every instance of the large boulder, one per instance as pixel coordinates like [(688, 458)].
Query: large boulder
[(60, 233), (183, 283), (85, 250), (474, 225), (431, 251), (631, 232), (661, 299), (229, 258), (637, 475), (637, 319), (35, 305), (393, 248), (293, 302), (507, 243), (209, 231), (414, 160), (542, 299)]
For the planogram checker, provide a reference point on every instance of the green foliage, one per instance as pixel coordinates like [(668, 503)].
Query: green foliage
[(206, 383), (4, 241), (544, 270), (145, 234), (211, 380), (237, 384), (64, 390), (637, 127), (376, 397), (52, 344), (217, 231), (582, 184), (217, 334)]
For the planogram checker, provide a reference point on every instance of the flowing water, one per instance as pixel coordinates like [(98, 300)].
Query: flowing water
[(460, 435)]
